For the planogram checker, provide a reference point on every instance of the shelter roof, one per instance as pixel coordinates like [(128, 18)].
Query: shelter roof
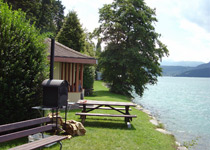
[(65, 54)]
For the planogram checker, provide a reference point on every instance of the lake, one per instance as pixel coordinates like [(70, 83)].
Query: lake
[(182, 104)]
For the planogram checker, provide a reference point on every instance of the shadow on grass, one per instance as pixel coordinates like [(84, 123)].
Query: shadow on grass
[(102, 93), (13, 143), (106, 123)]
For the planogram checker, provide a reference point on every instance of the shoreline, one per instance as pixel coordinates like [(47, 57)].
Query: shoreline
[(154, 121), (159, 125)]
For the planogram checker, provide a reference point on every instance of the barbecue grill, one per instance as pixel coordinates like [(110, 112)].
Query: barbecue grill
[(55, 93)]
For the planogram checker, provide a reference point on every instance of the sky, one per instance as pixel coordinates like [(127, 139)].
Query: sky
[(184, 25)]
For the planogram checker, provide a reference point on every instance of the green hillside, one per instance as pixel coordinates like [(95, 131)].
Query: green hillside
[(202, 70)]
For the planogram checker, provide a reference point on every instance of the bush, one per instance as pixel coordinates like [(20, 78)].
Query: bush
[(23, 64), (89, 75)]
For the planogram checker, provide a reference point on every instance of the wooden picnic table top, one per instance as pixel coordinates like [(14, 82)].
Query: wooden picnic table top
[(111, 103)]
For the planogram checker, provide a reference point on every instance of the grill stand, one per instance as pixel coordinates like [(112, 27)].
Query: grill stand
[(42, 110)]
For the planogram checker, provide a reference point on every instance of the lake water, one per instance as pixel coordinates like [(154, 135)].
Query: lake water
[(183, 105)]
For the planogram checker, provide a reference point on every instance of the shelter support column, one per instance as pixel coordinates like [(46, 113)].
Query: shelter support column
[(66, 67), (81, 75), (62, 71), (77, 78), (73, 77), (69, 75)]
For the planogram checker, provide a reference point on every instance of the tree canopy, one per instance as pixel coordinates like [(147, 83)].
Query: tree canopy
[(131, 57), (47, 15)]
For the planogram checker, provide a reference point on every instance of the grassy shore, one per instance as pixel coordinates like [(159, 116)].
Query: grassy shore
[(112, 133)]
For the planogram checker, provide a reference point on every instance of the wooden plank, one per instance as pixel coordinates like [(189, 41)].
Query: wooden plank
[(104, 108), (62, 71), (73, 77), (22, 124), (105, 115), (111, 103), (40, 143), (77, 78), (69, 76), (23, 133), (81, 75), (66, 71)]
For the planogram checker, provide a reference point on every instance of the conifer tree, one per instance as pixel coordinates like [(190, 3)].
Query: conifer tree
[(71, 33)]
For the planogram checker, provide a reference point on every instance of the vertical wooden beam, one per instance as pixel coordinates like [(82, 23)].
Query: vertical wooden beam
[(69, 79), (81, 75), (61, 70), (77, 78), (66, 71), (73, 77)]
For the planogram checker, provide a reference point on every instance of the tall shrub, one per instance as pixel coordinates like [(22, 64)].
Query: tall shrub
[(89, 75), (23, 64)]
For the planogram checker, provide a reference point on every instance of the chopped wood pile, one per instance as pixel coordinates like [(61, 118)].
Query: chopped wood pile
[(71, 127)]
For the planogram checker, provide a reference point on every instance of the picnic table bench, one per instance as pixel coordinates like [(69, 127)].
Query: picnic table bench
[(32, 128), (90, 105)]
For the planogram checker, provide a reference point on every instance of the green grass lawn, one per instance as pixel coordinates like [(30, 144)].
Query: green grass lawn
[(107, 133)]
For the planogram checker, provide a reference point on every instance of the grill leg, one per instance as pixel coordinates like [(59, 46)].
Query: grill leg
[(60, 145)]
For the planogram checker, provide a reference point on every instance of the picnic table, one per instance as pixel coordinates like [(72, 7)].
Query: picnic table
[(90, 105)]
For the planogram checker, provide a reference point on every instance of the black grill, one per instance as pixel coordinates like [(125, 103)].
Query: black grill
[(55, 93)]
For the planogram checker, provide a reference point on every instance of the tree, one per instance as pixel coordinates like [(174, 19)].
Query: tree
[(51, 16), (89, 71), (89, 48), (71, 33), (23, 64), (131, 57), (47, 15), (98, 47)]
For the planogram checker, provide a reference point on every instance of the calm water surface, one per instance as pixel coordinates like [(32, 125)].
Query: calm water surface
[(183, 106)]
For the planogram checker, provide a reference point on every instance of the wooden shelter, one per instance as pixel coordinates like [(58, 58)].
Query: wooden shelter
[(69, 65)]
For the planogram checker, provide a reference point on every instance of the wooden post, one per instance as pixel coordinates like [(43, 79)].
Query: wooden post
[(69, 79), (62, 71), (73, 77), (81, 75), (77, 78), (65, 71)]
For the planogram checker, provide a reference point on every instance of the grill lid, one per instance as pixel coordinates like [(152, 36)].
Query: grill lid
[(53, 83)]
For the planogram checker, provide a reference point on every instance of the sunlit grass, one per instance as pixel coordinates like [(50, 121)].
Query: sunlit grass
[(105, 133)]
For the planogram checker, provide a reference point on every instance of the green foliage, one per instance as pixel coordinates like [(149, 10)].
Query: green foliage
[(89, 75), (23, 64), (47, 15), (98, 47), (89, 45), (71, 33), (89, 71), (131, 57)]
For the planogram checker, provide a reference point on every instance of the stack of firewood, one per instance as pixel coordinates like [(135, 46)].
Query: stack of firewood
[(71, 127)]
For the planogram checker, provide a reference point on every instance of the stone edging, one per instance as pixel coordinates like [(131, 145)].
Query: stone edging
[(155, 122)]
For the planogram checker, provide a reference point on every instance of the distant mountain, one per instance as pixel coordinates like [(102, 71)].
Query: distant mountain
[(207, 65), (181, 63), (202, 70), (174, 70)]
